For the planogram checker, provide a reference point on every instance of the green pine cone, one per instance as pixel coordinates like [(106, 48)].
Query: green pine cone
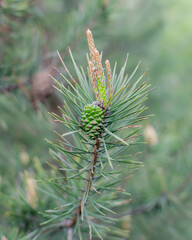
[(92, 119)]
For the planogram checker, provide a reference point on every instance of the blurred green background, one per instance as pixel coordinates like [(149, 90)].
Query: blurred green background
[(157, 32)]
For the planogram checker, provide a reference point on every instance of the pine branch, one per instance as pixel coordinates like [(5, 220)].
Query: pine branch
[(89, 182), (101, 130), (70, 223)]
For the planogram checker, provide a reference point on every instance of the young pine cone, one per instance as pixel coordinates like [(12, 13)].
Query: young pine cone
[(92, 118)]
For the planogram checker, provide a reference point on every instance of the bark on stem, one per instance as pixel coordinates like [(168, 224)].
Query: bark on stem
[(88, 183), (70, 223)]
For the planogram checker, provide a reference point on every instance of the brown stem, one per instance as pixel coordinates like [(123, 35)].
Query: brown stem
[(88, 183), (70, 223)]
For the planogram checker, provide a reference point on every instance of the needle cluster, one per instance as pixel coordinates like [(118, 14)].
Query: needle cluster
[(93, 157)]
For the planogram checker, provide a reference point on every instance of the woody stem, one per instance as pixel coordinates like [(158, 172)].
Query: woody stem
[(88, 183), (70, 223)]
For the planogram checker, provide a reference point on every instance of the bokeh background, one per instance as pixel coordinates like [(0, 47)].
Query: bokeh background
[(157, 32)]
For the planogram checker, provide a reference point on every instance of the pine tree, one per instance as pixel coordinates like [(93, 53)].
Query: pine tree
[(151, 30), (92, 158)]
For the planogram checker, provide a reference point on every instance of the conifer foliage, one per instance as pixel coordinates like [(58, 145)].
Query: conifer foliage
[(101, 113)]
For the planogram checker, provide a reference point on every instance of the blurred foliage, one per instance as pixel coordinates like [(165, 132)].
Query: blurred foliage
[(159, 33)]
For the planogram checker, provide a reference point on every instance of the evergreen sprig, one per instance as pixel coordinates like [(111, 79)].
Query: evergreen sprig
[(101, 113)]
